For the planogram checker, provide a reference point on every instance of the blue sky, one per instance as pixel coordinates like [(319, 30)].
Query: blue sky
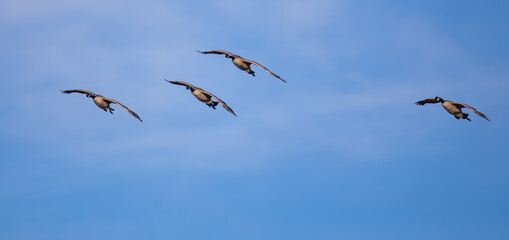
[(339, 152)]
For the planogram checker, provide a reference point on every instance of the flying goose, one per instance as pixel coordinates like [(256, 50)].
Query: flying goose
[(102, 102), (453, 108), (203, 95), (241, 63)]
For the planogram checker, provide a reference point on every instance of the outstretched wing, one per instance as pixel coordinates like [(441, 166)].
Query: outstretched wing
[(127, 109), (220, 101), (80, 91), (182, 84), (218, 52), (462, 105), (259, 65), (427, 100)]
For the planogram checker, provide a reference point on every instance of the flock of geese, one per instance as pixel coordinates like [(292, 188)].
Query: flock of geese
[(454, 108)]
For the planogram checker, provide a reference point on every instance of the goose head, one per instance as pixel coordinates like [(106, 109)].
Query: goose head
[(438, 99)]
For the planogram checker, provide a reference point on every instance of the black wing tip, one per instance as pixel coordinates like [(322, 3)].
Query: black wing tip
[(174, 82), (200, 52), (65, 91)]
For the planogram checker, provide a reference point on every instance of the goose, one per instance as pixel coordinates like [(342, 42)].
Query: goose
[(102, 102), (203, 95), (453, 108), (242, 63)]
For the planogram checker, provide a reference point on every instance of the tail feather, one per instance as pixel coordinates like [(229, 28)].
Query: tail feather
[(212, 104), (465, 116)]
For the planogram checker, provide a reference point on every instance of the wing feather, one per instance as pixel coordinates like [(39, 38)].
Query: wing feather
[(217, 52), (462, 105), (80, 91), (122, 105), (427, 100), (266, 69), (182, 84), (221, 102)]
